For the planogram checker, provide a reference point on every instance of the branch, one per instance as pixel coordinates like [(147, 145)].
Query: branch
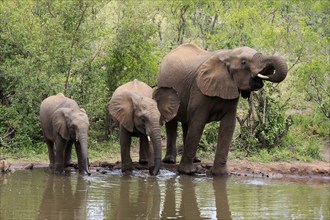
[(260, 100), (295, 63), (273, 18), (288, 123), (79, 23), (182, 25), (10, 131), (242, 121), (50, 12), (215, 19), (72, 45)]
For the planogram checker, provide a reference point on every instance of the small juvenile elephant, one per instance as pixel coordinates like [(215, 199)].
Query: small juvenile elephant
[(64, 123), (140, 113)]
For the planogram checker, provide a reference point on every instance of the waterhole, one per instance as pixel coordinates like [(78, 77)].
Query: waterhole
[(38, 194)]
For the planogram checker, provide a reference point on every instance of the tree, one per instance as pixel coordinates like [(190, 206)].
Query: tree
[(46, 50), (87, 48)]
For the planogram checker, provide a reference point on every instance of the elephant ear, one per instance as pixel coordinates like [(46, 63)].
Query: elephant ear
[(59, 121), (168, 103), (213, 79), (121, 108)]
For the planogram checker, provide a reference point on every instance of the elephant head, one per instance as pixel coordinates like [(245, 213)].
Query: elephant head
[(226, 73), (138, 112), (72, 125)]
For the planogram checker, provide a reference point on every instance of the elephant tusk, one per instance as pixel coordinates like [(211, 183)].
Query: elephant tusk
[(148, 138), (262, 76)]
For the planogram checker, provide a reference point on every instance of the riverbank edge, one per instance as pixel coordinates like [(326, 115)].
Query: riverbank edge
[(315, 169)]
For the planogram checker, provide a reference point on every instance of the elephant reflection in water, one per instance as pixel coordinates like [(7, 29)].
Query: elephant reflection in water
[(61, 200), (221, 198), (145, 199), (138, 199), (189, 206)]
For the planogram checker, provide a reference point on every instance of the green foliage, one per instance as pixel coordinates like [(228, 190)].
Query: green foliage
[(86, 49), (131, 54), (314, 78), (265, 124), (209, 138), (311, 125)]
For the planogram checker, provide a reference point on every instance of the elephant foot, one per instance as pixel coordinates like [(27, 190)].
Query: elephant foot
[(59, 168), (218, 171), (127, 172), (187, 168), (69, 163), (153, 171), (84, 172), (197, 159), (51, 166), (127, 168), (169, 159)]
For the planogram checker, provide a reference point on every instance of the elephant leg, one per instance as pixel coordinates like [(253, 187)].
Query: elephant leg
[(51, 154), (67, 155), (197, 158), (226, 131), (125, 144), (171, 134), (184, 132), (59, 156), (144, 149), (194, 134)]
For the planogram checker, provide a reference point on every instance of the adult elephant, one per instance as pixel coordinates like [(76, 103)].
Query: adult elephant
[(63, 122), (209, 85), (140, 115)]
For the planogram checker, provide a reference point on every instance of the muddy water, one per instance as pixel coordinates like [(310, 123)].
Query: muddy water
[(40, 195)]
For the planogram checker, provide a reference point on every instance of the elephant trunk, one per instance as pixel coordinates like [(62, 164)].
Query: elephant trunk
[(154, 166), (271, 63), (82, 154)]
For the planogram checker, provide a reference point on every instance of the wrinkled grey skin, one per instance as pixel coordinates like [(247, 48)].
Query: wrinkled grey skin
[(138, 114), (64, 123), (209, 85)]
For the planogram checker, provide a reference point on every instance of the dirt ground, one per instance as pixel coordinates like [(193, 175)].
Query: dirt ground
[(315, 169)]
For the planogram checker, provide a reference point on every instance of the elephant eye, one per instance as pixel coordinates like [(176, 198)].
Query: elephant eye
[(243, 62), (142, 118)]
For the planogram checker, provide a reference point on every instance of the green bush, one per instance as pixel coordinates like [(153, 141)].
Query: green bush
[(208, 142), (86, 49), (265, 124)]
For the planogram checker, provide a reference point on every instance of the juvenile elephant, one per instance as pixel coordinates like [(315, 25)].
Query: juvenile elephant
[(140, 115), (209, 85), (64, 123)]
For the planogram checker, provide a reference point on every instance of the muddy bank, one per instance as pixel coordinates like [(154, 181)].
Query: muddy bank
[(244, 168), (235, 168)]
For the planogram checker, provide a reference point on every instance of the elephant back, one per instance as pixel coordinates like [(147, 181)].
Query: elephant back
[(50, 103), (49, 106), (136, 87), (178, 68)]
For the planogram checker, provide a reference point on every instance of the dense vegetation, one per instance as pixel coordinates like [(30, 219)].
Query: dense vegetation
[(86, 48)]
